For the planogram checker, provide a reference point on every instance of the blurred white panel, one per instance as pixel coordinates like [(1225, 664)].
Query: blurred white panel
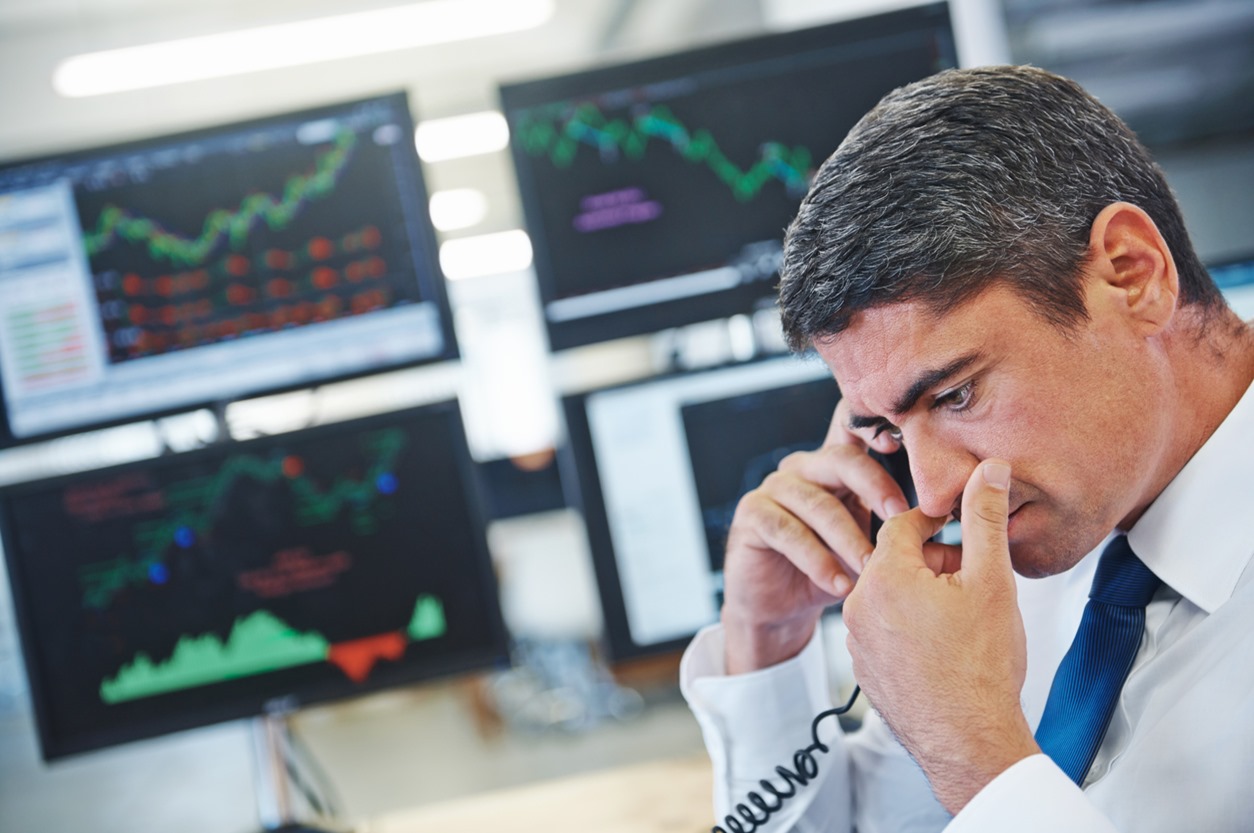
[(458, 208), (486, 254), (455, 137), (508, 400), (542, 558)]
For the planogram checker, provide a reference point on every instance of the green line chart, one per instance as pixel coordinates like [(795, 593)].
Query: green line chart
[(561, 138), (277, 213)]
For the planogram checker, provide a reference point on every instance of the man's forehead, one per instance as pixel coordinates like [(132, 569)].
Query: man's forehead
[(890, 353), (888, 338)]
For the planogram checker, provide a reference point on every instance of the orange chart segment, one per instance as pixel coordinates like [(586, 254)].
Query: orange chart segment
[(357, 657)]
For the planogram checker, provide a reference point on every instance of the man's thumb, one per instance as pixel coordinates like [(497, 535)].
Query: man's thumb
[(985, 513)]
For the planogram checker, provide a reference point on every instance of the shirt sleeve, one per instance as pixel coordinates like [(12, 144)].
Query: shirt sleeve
[(1033, 796), (754, 722)]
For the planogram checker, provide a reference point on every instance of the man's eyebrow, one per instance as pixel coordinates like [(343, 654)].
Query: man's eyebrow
[(925, 382), (930, 379), (857, 421)]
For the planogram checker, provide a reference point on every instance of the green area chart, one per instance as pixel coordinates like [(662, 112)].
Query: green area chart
[(260, 643)]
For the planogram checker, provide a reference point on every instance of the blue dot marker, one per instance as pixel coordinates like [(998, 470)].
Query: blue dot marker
[(386, 483), (158, 574), (184, 537)]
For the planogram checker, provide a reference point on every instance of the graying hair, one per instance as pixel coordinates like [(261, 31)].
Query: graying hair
[(963, 180)]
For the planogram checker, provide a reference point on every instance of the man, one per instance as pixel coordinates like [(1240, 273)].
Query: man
[(1001, 283)]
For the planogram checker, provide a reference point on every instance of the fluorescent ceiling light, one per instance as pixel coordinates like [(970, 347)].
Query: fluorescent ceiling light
[(458, 208), (458, 136), (485, 254), (294, 44)]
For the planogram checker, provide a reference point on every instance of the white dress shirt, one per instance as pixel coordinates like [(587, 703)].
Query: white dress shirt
[(1179, 753)]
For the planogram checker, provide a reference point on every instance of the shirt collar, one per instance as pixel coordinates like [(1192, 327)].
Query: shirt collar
[(1198, 534)]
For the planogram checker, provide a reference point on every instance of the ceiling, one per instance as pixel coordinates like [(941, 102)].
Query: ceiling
[(443, 80)]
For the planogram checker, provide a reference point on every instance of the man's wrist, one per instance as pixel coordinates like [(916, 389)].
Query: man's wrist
[(975, 764), (749, 646)]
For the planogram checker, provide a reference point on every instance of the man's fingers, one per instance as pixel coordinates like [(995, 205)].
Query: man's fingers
[(780, 530), (985, 515), (842, 532), (848, 469), (907, 533), (942, 559)]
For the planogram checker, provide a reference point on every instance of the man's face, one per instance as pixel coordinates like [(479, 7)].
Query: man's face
[(1071, 412)]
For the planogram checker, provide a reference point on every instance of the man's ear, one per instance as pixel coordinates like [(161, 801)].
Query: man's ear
[(1133, 264)]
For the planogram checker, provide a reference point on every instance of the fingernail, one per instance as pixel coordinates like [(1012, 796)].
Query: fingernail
[(866, 558), (997, 474), (841, 585), (895, 506)]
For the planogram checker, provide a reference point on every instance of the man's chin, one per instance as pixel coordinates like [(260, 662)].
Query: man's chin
[(1032, 547), (1028, 566), (1047, 555)]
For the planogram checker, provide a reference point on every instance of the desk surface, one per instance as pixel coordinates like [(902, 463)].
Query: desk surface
[(667, 796)]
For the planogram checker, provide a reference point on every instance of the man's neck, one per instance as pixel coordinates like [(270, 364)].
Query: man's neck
[(1212, 365)]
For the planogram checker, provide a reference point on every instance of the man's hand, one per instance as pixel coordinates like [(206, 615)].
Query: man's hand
[(796, 544), (937, 641)]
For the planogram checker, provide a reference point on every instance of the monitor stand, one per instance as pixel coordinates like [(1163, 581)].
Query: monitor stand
[(277, 773)]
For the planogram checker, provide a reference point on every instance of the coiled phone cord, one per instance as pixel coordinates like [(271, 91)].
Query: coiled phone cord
[(806, 767)]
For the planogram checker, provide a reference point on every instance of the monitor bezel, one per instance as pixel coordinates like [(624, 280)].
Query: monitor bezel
[(213, 712), (530, 92)]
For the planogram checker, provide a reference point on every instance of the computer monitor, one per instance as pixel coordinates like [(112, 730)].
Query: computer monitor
[(230, 581), (657, 467), (167, 274), (656, 193)]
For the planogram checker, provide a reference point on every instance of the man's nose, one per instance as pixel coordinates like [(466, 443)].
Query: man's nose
[(940, 472)]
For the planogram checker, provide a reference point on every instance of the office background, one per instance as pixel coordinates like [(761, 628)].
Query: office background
[(1180, 71)]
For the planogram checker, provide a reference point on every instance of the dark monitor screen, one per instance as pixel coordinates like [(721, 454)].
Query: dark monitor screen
[(211, 585), (161, 275), (657, 192), (657, 469)]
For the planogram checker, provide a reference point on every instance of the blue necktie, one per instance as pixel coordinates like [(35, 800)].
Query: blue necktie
[(1086, 687)]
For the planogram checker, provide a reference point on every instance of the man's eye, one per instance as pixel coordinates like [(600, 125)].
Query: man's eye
[(958, 399)]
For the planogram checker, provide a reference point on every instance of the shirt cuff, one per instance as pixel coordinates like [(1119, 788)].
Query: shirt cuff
[(1032, 796), (741, 716)]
